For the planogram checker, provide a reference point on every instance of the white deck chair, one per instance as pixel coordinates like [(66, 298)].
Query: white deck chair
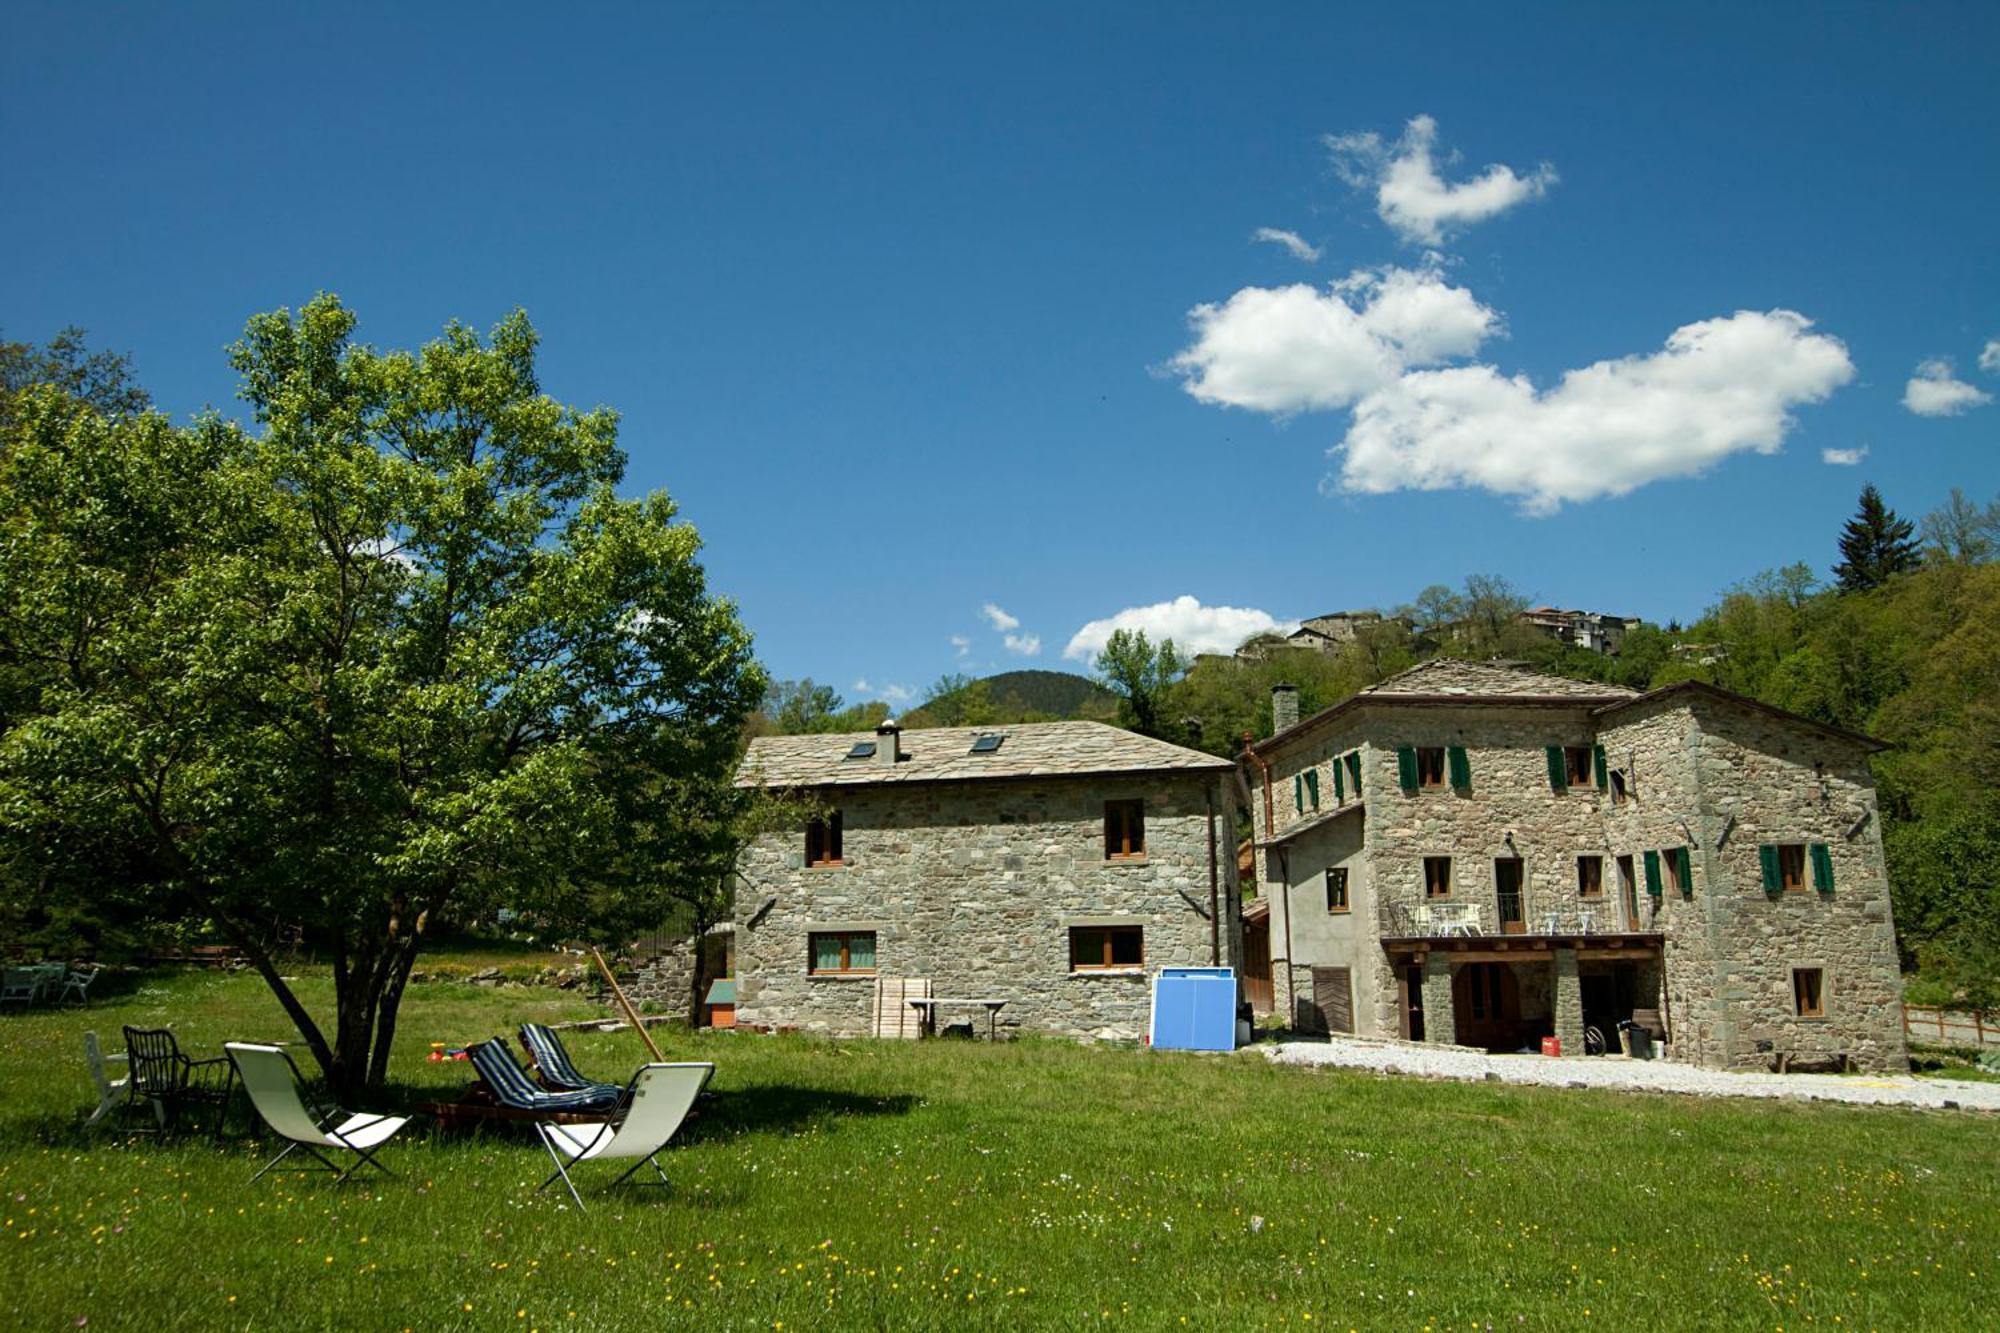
[(110, 1091), (660, 1097), (273, 1082)]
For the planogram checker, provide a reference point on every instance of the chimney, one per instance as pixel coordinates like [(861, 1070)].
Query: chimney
[(1284, 707), (888, 737)]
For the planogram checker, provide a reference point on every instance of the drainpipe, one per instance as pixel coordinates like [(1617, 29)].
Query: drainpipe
[(1250, 753), (1214, 910), (1285, 881)]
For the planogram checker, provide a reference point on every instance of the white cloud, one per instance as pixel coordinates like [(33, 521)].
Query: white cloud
[(1935, 392), (894, 694), (1718, 387), (960, 645), (1989, 357), (1295, 244), (1194, 628), (1843, 457), (999, 619), (1297, 348), (1410, 195), (1027, 645)]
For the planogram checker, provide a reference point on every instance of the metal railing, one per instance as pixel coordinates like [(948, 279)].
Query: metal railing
[(1513, 914)]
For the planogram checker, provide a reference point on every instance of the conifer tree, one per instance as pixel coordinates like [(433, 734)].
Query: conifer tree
[(1875, 545)]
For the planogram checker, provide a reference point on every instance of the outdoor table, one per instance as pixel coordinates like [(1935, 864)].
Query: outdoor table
[(928, 1009)]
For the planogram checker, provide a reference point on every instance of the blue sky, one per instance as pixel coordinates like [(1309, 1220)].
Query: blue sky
[(919, 310)]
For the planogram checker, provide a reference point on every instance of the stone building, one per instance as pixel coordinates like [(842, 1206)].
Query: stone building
[(1594, 631), (1479, 854), (1057, 866)]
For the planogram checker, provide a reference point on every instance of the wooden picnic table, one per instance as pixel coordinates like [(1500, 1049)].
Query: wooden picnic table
[(928, 1009)]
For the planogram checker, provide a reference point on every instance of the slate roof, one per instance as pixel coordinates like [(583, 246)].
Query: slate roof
[(943, 754), (1446, 680), (1492, 680)]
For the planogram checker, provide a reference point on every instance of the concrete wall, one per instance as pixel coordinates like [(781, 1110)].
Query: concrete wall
[(975, 886)]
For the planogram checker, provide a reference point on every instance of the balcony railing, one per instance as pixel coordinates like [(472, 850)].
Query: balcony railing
[(1514, 914)]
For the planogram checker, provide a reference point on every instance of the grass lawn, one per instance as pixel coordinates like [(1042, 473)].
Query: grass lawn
[(959, 1185)]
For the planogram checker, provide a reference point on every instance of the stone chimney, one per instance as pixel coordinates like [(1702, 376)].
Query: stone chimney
[(888, 741), (1284, 707)]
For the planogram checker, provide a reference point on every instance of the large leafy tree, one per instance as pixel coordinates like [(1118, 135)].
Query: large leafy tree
[(398, 650), (1142, 674), (1875, 545)]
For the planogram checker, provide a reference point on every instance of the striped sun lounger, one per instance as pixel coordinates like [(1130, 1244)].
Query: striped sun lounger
[(512, 1088), (551, 1060)]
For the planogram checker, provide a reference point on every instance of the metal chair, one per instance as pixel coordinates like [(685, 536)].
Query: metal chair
[(658, 1103), (76, 985), (19, 985), (273, 1082), (171, 1082)]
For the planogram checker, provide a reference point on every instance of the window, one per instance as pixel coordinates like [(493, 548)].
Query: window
[(1124, 830), (1336, 889), (1792, 866), (987, 743), (1628, 889), (1094, 948), (1437, 876), (835, 952), (1809, 992), (1590, 877), (1576, 765), (823, 841), (862, 750), (1679, 874), (1430, 766), (1618, 792)]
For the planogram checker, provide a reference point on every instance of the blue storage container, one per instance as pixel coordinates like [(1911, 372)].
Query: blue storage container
[(1194, 1009)]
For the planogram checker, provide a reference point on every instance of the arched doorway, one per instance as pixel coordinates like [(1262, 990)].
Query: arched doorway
[(1486, 1001)]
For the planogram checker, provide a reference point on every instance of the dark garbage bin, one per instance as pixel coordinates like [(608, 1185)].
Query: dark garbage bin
[(1637, 1038)]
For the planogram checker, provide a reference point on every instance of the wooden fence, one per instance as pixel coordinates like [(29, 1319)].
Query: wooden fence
[(1951, 1027)]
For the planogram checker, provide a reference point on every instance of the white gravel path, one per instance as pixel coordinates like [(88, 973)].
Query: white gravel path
[(1455, 1062)]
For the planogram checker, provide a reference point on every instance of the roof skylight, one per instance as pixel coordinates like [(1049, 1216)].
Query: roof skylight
[(987, 743)]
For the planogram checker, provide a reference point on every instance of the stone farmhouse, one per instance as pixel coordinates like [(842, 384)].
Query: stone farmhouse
[(1057, 866), (1594, 631), (1478, 854)]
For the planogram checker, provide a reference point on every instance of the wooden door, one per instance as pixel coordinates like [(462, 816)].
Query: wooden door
[(1410, 1000), (1333, 998), (1507, 886), (1628, 889), (1488, 1003)]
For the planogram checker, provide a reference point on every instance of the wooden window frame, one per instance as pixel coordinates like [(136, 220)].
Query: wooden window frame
[(845, 937), (1107, 951), (1125, 830), (1791, 867), (1809, 996), (1670, 870), (1442, 864), (823, 842), (1430, 767), (1590, 877), (1336, 891), (1620, 793), (1577, 768)]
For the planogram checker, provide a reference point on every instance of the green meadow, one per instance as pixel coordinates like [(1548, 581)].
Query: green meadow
[(965, 1185)]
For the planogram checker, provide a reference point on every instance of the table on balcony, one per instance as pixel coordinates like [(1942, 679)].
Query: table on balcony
[(1455, 918)]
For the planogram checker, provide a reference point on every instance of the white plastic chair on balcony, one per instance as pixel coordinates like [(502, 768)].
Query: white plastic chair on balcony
[(1420, 919)]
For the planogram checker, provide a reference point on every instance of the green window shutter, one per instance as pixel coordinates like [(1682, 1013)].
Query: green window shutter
[(1460, 768), (1298, 793), (1354, 772), (1406, 767), (1312, 788), (1558, 770), (1339, 787), (1685, 863), (1767, 858), (1601, 765), (1822, 862), (1653, 874)]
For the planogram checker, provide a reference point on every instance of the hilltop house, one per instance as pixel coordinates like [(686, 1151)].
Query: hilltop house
[(1056, 865), (1476, 854)]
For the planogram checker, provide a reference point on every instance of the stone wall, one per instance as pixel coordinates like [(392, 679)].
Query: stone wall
[(1707, 774), (976, 886)]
